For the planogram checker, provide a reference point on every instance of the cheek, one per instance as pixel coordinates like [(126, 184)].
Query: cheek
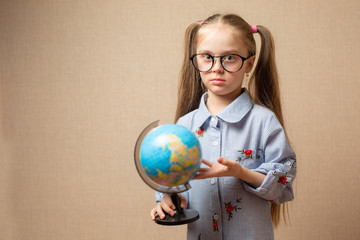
[(202, 76), (239, 76)]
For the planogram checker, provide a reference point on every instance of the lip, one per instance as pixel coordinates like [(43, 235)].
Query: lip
[(217, 81)]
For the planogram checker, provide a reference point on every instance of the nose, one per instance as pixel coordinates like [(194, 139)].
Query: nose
[(217, 66)]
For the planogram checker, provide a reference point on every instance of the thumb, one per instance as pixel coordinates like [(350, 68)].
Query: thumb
[(224, 161), (183, 202)]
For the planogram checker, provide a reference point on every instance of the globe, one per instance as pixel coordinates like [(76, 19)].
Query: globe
[(170, 155), (167, 157)]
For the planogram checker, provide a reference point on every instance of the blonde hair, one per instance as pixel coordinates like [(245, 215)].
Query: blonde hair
[(263, 84)]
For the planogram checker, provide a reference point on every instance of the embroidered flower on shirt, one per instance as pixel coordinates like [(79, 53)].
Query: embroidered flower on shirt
[(231, 207), (249, 154), (283, 180), (215, 223), (200, 132), (245, 154)]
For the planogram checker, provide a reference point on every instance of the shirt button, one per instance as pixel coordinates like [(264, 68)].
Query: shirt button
[(288, 163), (213, 119), (212, 181), (215, 143)]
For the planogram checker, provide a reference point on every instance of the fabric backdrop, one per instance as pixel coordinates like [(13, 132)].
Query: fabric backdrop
[(80, 79)]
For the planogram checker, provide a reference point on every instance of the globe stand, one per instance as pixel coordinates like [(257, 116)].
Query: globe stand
[(181, 216)]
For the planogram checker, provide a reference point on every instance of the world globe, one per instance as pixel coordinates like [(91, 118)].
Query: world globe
[(167, 157), (170, 155)]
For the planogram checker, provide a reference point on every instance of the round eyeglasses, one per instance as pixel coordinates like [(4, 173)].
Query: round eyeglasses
[(230, 62)]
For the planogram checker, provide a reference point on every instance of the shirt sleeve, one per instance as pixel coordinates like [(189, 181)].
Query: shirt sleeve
[(279, 165), (159, 196)]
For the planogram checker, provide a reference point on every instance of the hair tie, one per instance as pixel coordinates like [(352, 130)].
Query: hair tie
[(201, 23), (253, 28)]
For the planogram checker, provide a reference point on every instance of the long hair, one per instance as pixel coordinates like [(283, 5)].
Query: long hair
[(263, 84), (190, 86)]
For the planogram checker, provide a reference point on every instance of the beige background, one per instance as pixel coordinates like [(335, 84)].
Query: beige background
[(80, 79)]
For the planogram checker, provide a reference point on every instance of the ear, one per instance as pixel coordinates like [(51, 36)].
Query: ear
[(249, 64)]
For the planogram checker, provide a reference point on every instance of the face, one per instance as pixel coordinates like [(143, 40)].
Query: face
[(219, 40)]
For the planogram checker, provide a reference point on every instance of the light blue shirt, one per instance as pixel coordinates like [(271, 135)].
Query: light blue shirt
[(229, 208)]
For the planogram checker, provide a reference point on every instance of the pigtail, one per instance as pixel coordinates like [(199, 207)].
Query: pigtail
[(265, 82), (190, 87)]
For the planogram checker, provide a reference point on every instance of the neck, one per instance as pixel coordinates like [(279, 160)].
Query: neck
[(216, 104)]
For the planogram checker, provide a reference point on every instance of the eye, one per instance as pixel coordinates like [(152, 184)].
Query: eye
[(229, 58), (206, 57)]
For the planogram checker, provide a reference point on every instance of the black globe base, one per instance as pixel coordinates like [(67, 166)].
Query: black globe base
[(187, 216), (181, 216)]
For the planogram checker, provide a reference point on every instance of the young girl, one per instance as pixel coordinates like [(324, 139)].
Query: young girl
[(249, 165)]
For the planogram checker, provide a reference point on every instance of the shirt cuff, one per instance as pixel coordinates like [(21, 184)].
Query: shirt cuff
[(277, 185)]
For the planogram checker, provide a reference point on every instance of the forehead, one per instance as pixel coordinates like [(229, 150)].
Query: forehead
[(219, 39)]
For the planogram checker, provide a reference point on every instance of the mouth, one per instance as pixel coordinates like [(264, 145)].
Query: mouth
[(217, 81)]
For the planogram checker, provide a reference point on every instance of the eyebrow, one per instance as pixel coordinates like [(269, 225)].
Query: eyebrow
[(231, 51)]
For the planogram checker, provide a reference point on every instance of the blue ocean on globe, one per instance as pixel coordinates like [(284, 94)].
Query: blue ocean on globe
[(170, 155)]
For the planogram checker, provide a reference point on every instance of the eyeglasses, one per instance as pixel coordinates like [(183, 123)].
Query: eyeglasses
[(230, 62)]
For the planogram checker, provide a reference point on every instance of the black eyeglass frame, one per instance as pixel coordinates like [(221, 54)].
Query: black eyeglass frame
[(221, 61)]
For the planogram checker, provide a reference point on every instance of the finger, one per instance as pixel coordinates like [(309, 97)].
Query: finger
[(153, 213), (202, 175), (168, 201), (208, 163), (159, 211), (224, 161), (183, 202), (164, 208), (201, 170), (198, 176)]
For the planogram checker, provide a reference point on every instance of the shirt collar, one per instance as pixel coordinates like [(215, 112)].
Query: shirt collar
[(233, 113)]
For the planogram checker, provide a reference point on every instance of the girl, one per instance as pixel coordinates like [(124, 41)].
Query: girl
[(249, 166)]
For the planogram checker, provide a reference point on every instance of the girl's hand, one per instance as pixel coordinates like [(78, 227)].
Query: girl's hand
[(227, 168), (166, 205), (222, 168)]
